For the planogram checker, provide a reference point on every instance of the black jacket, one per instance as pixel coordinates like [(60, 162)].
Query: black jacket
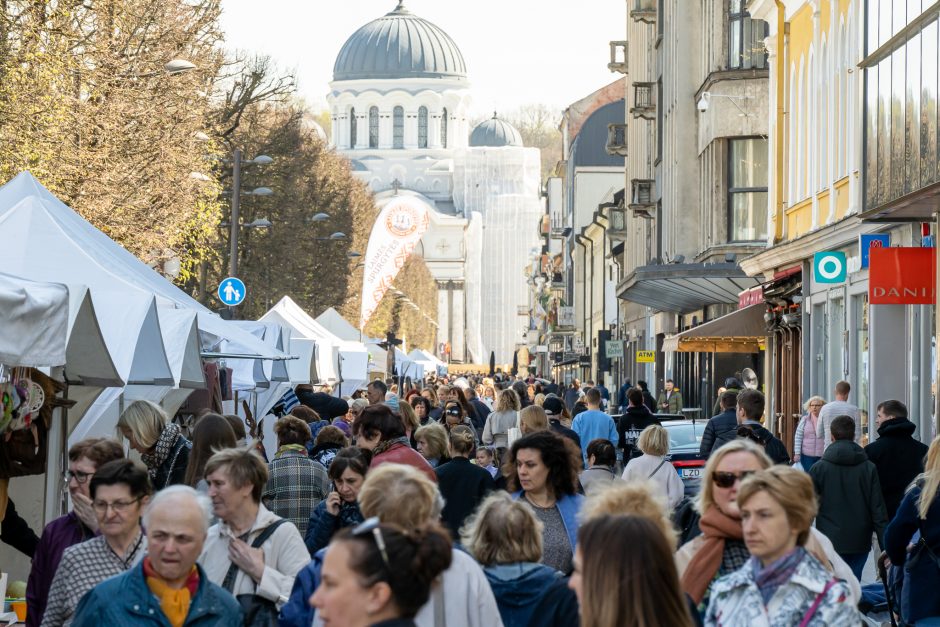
[(327, 407), (899, 459), (631, 424), (173, 469), (772, 446), (555, 425), (479, 414), (463, 485), (850, 501), (720, 429), (649, 401)]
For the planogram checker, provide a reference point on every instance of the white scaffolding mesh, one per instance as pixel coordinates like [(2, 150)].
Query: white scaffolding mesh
[(502, 185)]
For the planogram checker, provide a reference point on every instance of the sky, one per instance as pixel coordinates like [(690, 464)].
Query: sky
[(518, 52)]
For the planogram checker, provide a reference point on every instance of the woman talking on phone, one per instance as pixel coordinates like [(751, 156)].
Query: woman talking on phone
[(340, 509)]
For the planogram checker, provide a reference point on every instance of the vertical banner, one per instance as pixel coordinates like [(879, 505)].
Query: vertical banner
[(396, 232)]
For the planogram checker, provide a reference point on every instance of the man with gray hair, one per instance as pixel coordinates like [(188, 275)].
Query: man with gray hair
[(168, 586)]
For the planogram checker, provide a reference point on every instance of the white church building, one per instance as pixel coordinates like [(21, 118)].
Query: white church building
[(400, 107)]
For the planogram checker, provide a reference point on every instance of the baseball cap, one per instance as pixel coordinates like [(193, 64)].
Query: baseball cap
[(552, 406)]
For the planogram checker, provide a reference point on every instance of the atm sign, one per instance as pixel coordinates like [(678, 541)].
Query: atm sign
[(645, 357)]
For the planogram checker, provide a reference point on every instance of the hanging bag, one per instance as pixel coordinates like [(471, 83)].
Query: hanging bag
[(808, 616), (258, 611)]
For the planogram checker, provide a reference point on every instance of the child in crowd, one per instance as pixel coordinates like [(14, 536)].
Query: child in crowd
[(486, 460)]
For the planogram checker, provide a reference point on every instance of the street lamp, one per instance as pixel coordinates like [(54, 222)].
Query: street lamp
[(353, 254), (320, 217), (178, 66), (237, 163), (334, 237)]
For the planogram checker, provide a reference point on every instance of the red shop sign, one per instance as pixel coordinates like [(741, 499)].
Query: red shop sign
[(902, 276)]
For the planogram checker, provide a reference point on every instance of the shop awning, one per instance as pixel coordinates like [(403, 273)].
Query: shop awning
[(685, 287), (741, 331)]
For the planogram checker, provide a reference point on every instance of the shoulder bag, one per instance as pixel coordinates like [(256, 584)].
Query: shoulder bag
[(808, 616), (258, 611)]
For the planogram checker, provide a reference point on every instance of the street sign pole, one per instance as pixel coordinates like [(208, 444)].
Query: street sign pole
[(233, 233)]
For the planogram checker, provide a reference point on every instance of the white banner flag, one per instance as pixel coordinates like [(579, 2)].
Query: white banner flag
[(395, 234)]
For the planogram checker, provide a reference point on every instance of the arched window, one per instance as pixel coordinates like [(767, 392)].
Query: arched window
[(352, 127), (444, 128), (398, 127), (422, 127), (373, 127)]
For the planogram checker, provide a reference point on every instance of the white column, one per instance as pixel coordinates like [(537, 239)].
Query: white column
[(411, 129), (386, 129), (434, 128), (362, 129)]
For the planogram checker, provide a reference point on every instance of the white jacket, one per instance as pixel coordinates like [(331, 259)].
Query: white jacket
[(464, 596), (665, 480), (284, 555)]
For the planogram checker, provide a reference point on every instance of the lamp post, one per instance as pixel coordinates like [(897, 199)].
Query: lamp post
[(236, 197)]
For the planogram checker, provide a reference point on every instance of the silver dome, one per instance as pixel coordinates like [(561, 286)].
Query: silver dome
[(495, 133)]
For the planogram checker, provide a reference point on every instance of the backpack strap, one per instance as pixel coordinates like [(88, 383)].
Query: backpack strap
[(229, 582)]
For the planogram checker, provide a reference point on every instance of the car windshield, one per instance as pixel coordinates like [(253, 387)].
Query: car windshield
[(683, 436)]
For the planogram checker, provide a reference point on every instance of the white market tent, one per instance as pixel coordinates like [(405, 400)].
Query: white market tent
[(429, 361), (336, 324), (343, 363), (35, 321)]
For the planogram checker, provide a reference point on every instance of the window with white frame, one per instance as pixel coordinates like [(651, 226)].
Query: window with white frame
[(352, 127), (745, 38), (422, 127), (398, 127), (747, 189), (444, 128), (373, 127)]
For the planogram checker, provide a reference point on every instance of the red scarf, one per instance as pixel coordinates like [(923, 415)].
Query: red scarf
[(716, 528)]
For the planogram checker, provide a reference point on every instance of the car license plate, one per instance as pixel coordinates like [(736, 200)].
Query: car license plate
[(691, 473)]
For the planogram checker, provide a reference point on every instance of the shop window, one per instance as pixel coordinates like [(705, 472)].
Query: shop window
[(398, 127), (422, 127), (747, 190), (373, 127), (352, 127), (745, 38)]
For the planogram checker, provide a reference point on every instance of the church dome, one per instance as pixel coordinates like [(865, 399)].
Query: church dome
[(495, 133), (399, 45)]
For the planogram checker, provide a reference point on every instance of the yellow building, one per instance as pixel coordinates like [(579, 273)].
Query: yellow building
[(823, 331)]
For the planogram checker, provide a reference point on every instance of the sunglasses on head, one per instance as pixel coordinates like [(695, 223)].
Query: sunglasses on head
[(453, 411), (727, 479), (371, 526)]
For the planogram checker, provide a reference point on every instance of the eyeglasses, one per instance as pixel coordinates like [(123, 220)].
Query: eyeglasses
[(816, 404), (78, 475), (373, 525), (120, 507), (728, 479)]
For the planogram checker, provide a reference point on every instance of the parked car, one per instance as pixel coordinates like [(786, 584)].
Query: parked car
[(685, 436)]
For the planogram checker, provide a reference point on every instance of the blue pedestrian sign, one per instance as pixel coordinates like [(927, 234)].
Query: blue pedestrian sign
[(231, 291), (829, 267)]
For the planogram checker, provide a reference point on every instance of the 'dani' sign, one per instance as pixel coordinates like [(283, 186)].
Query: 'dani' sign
[(902, 276), (396, 232)]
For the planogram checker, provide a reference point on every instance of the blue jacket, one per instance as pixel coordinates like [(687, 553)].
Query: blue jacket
[(126, 600), (297, 611), (323, 525), (919, 598), (568, 506), (594, 424), (518, 589)]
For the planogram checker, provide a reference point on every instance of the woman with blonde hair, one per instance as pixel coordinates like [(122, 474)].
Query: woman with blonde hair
[(462, 483), (807, 447), (503, 418), (408, 418), (634, 499), (431, 442), (532, 419), (919, 511), (505, 537), (720, 549), (623, 575), (653, 466), (781, 583), (162, 447)]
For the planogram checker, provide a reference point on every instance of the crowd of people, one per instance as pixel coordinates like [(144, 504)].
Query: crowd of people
[(480, 503)]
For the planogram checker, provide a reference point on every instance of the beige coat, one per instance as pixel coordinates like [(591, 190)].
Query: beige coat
[(817, 544)]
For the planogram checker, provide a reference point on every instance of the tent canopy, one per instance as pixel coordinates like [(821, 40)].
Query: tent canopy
[(741, 331), (34, 317)]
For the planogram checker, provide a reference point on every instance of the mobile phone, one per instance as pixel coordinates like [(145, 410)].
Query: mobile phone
[(332, 487)]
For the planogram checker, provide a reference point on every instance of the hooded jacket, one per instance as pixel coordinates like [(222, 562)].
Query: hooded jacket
[(899, 459), (518, 589), (629, 426), (850, 502)]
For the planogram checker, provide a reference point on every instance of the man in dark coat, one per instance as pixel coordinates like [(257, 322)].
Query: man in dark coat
[(850, 503), (722, 428), (750, 411), (897, 455), (553, 408), (648, 399), (572, 394), (631, 424), (622, 401), (732, 384), (327, 407)]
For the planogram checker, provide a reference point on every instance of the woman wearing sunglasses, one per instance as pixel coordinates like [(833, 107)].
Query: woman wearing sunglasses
[(781, 583), (120, 491), (361, 588), (720, 549)]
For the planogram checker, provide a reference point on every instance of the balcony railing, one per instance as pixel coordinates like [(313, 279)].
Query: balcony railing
[(644, 11), (617, 139), (618, 57), (644, 101), (642, 203)]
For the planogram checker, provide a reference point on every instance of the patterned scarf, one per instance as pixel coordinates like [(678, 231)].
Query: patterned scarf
[(716, 528), (384, 445), (777, 573), (162, 449), (174, 603), (296, 448)]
